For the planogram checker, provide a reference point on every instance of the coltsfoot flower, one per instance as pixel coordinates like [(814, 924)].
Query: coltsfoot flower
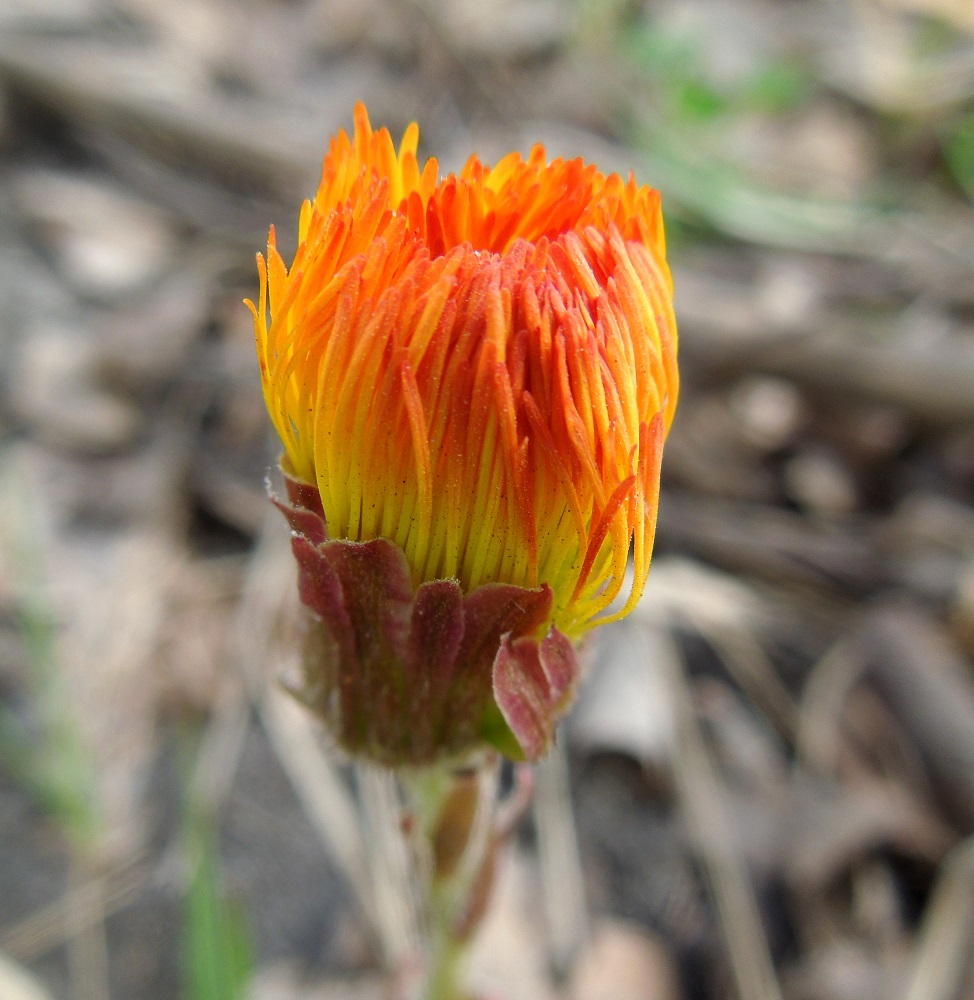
[(472, 378)]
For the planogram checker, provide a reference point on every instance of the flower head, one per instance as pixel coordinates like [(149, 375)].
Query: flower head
[(479, 370)]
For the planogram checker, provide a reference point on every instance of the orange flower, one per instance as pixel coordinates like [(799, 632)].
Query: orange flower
[(479, 369)]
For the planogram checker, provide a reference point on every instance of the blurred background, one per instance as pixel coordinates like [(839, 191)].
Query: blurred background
[(772, 767)]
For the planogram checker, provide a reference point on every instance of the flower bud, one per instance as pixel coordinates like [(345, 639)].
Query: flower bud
[(472, 379)]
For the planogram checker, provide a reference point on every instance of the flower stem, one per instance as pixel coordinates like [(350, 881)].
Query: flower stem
[(453, 811), (446, 965)]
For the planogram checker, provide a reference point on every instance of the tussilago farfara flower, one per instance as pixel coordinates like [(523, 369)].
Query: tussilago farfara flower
[(478, 371)]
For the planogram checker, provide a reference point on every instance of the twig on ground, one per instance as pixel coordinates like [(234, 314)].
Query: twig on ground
[(701, 799)]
